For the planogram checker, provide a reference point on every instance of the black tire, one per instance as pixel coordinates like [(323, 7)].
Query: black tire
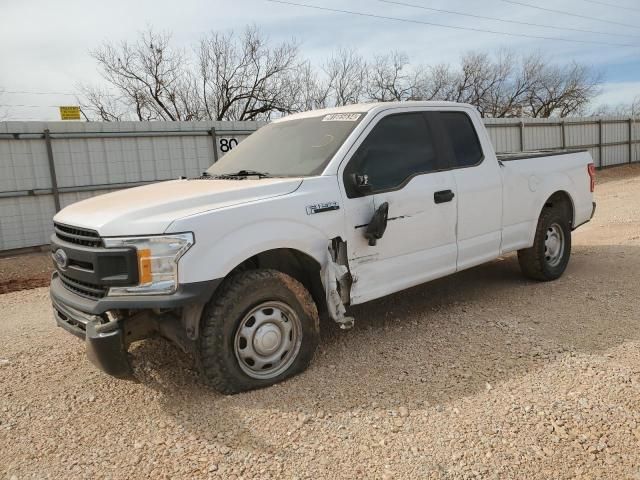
[(221, 337), (535, 262)]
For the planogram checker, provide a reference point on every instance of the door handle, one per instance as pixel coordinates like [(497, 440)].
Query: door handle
[(443, 196)]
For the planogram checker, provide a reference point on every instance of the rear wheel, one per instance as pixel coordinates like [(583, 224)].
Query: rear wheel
[(261, 328), (547, 259)]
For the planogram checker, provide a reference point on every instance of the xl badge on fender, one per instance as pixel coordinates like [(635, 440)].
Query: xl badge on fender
[(322, 207)]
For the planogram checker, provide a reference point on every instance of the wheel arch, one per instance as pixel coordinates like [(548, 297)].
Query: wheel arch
[(539, 261), (295, 263), (562, 199)]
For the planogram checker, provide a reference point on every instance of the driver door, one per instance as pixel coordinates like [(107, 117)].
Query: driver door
[(407, 169)]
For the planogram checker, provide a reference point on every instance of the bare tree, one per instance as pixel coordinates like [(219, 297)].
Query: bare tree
[(248, 79), (150, 79), (562, 91), (232, 78), (390, 78), (306, 89), (346, 73), (514, 81), (435, 83), (481, 78), (631, 109), (506, 86), (245, 77), (98, 103)]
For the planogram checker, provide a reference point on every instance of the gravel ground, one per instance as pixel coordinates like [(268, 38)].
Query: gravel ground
[(479, 375), (25, 271)]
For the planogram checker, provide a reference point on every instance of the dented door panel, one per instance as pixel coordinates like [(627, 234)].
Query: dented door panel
[(418, 245)]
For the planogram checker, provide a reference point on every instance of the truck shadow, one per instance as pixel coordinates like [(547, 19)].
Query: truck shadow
[(427, 346)]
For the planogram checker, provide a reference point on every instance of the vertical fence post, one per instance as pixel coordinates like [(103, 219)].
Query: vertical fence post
[(564, 135), (600, 141), (52, 170), (630, 139), (215, 144), (521, 136)]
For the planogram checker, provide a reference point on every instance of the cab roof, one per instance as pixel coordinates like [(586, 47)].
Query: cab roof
[(374, 107)]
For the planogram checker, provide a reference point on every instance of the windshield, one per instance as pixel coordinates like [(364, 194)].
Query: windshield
[(293, 148)]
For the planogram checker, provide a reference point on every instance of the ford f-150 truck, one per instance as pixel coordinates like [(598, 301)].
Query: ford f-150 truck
[(312, 213)]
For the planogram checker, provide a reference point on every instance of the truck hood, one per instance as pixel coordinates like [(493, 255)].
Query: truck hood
[(152, 208)]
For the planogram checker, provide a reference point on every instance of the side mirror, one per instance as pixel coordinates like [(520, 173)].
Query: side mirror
[(360, 182), (377, 225)]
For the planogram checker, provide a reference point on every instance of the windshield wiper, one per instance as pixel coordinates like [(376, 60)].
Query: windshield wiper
[(243, 174)]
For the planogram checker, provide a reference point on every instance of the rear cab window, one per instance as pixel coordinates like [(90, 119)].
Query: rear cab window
[(465, 145)]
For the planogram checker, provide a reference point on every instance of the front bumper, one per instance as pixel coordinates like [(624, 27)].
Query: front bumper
[(105, 342), (196, 292), (105, 349)]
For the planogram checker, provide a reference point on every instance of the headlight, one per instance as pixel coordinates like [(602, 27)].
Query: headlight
[(157, 262)]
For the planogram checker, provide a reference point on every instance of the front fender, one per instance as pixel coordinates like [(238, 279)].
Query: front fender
[(227, 237), (217, 259)]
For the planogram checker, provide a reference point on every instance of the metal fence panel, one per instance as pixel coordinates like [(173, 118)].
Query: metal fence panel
[(615, 155), (92, 158), (23, 165), (504, 134), (25, 221), (581, 134)]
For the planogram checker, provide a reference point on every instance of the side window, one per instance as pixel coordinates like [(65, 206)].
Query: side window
[(398, 147), (464, 140)]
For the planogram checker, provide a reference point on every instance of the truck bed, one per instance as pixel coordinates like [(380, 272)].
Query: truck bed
[(507, 157)]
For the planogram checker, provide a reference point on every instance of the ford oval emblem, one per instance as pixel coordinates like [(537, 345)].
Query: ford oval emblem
[(61, 258)]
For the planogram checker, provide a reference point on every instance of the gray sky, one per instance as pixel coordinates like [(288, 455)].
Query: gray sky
[(44, 45)]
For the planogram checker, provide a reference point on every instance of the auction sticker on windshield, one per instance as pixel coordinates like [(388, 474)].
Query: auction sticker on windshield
[(341, 117)]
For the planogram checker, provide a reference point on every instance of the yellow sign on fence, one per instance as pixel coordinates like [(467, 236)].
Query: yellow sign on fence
[(70, 113)]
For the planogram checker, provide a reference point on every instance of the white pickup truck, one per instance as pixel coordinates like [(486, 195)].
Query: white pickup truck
[(312, 213)]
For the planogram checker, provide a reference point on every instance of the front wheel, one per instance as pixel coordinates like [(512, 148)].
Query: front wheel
[(547, 259), (261, 328)]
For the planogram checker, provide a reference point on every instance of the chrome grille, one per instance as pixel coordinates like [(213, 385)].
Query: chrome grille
[(79, 236), (84, 289)]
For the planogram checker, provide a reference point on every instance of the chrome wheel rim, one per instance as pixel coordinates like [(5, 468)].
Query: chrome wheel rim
[(554, 245), (268, 340)]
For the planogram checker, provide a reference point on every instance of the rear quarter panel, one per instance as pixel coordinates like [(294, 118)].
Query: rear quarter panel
[(528, 184)]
